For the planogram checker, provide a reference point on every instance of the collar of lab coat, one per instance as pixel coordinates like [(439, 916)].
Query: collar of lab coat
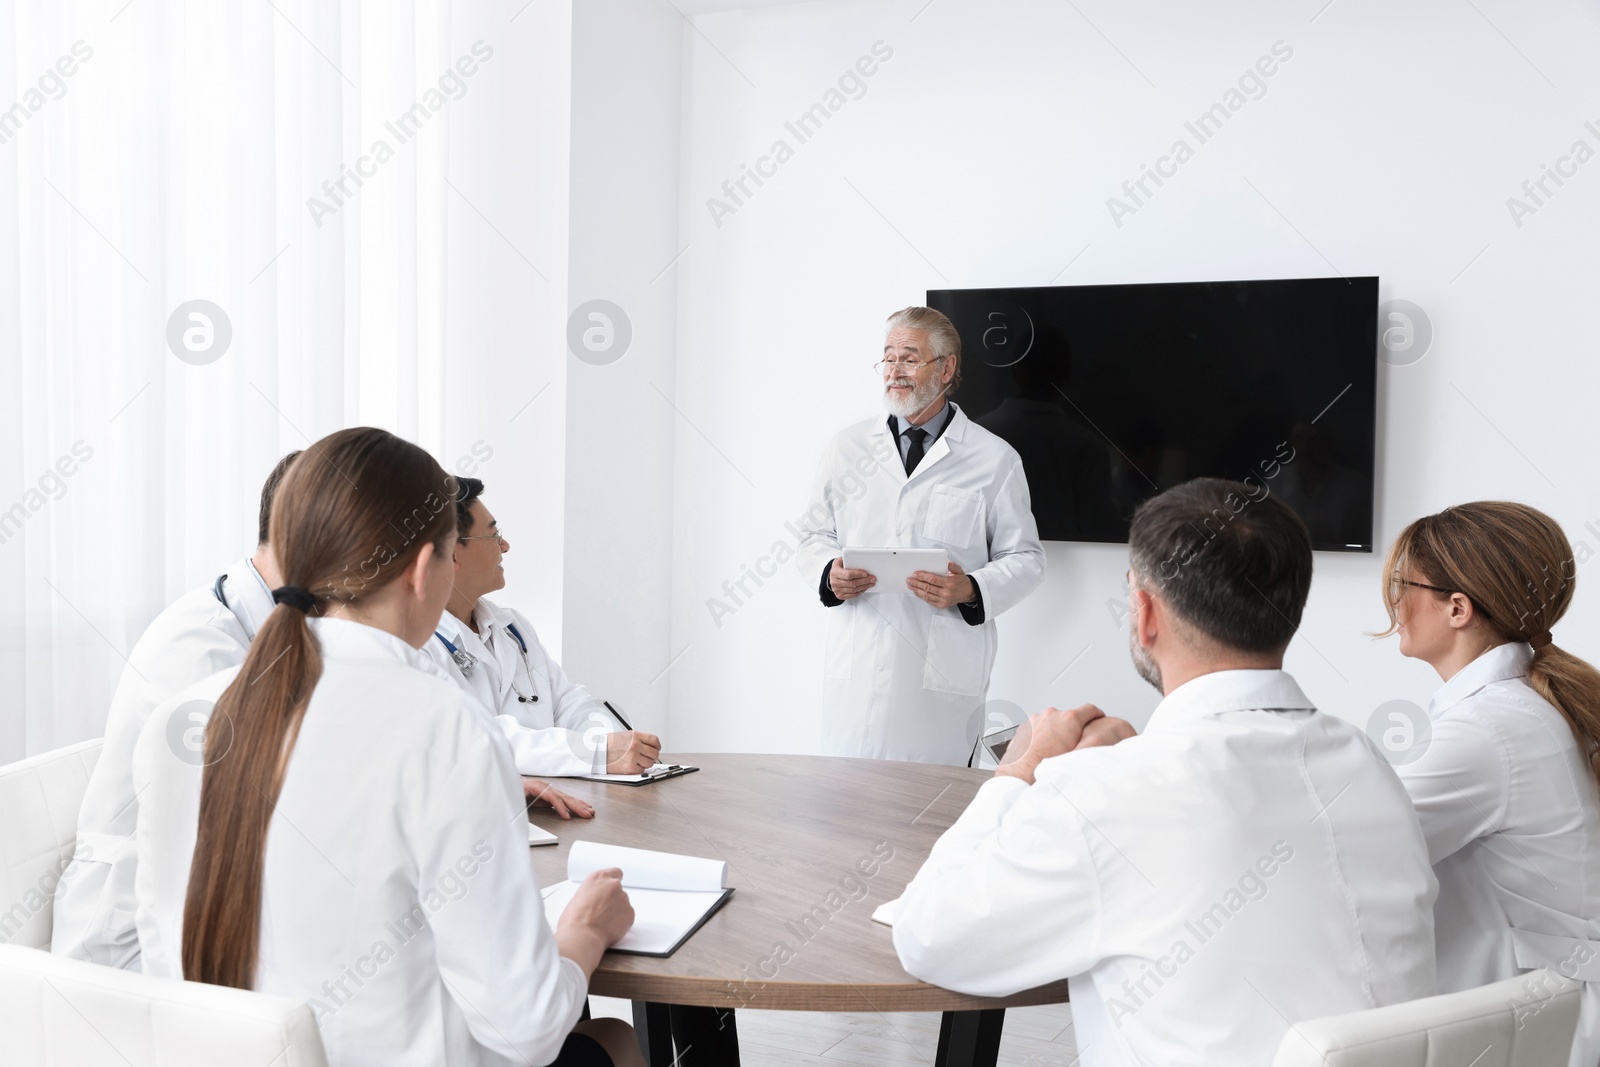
[(460, 635), (450, 627), (489, 616), (1221, 691), (956, 431), (248, 596), (1501, 663), (347, 639), (492, 618)]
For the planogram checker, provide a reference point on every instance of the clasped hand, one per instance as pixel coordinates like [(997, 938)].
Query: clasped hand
[(1054, 732)]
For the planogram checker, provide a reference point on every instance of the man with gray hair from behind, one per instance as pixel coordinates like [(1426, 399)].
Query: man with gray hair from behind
[(905, 676), (1247, 863)]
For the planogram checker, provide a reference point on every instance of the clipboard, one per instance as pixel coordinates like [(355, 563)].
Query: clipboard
[(659, 773)]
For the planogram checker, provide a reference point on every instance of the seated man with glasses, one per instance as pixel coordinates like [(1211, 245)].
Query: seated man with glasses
[(555, 727), (906, 676)]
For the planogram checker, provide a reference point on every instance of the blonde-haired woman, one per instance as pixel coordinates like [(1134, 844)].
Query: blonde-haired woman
[(1505, 787)]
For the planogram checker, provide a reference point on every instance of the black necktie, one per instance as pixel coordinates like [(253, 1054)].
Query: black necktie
[(916, 435)]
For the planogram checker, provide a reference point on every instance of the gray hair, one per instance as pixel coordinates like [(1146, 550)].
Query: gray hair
[(942, 335), (1232, 561)]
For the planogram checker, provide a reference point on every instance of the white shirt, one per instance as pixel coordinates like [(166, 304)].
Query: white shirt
[(551, 722), (194, 637), (1509, 808), (901, 678), (398, 898), (1229, 871)]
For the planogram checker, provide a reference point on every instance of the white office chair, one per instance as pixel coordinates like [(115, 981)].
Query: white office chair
[(59, 1010), (39, 802), (1526, 1021)]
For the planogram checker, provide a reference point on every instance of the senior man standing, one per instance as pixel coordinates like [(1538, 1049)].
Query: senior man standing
[(907, 670)]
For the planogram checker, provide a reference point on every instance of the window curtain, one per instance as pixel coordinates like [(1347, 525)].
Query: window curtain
[(204, 263)]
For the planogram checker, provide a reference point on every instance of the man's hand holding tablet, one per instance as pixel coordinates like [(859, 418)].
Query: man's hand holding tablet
[(943, 591), (848, 583), (892, 570)]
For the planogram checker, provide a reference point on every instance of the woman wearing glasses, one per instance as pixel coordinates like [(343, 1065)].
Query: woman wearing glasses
[(1505, 786)]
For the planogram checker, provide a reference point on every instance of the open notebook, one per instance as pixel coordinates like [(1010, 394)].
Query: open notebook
[(672, 895)]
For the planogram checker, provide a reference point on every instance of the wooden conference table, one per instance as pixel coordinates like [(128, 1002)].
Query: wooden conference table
[(797, 833)]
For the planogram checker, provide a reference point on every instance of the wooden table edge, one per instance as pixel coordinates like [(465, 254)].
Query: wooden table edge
[(758, 995)]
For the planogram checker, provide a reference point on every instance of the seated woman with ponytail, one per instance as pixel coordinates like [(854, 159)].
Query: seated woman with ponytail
[(1505, 787), (362, 837)]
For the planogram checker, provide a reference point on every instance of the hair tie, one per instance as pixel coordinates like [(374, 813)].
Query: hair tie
[(294, 596), (1539, 640)]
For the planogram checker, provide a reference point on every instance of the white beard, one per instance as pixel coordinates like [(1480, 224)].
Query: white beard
[(922, 398)]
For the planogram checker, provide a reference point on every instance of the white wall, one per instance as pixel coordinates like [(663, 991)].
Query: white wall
[(502, 406), (619, 415), (983, 153)]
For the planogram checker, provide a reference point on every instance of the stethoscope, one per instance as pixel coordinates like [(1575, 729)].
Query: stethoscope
[(467, 661), (222, 580)]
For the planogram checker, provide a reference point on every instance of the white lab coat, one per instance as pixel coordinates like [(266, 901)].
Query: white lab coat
[(903, 680), (194, 637), (563, 731), (1512, 819), (397, 898), (1202, 885)]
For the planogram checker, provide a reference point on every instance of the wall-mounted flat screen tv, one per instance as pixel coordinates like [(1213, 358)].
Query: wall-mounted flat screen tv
[(1112, 393)]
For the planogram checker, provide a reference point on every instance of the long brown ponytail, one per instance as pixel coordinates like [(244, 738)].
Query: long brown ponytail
[(1516, 566), (353, 511)]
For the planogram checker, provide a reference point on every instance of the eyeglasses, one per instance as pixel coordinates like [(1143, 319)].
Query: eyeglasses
[(908, 364), (1396, 591), (500, 536)]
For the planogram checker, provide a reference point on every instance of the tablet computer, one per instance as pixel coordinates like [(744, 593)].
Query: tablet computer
[(997, 743), (892, 566)]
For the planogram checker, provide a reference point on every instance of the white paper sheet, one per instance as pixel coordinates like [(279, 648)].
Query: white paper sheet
[(644, 869)]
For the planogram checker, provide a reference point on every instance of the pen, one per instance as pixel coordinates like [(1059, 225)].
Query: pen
[(617, 715)]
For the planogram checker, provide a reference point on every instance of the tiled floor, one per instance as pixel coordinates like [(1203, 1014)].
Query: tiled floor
[(1033, 1037)]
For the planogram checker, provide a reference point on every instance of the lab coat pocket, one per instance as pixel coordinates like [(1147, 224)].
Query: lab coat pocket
[(957, 659), (952, 515), (841, 640)]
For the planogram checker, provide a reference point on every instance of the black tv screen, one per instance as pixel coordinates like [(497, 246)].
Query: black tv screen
[(1112, 393)]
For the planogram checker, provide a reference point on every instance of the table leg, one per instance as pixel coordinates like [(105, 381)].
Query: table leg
[(705, 1037), (653, 1025), (970, 1038)]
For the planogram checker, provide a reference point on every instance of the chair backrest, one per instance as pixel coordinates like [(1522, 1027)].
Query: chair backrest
[(39, 802), (1526, 1021), (59, 1010)]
